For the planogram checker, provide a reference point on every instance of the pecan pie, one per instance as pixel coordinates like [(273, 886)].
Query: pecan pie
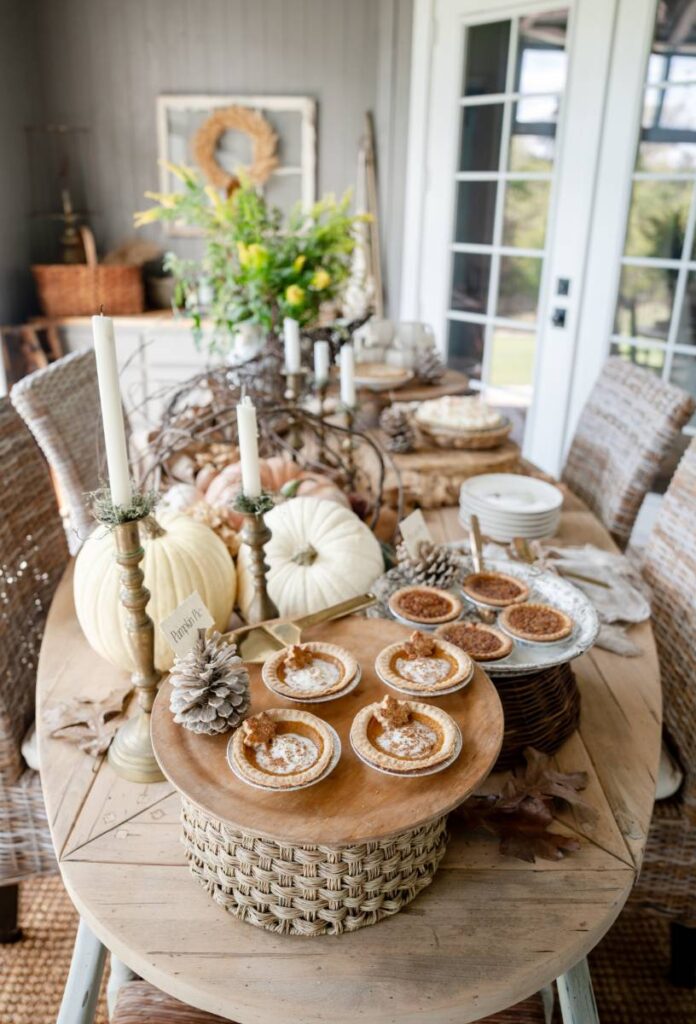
[(423, 665), (495, 588), (425, 605), (282, 748), (309, 670), (481, 642), (402, 736), (536, 623)]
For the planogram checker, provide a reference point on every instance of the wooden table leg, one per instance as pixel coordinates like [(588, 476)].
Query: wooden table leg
[(81, 993), (576, 996)]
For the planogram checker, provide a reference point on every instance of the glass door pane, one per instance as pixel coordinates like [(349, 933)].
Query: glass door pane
[(512, 89)]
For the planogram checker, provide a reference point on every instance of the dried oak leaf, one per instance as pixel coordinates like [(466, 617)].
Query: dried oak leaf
[(90, 724), (538, 783), (527, 844)]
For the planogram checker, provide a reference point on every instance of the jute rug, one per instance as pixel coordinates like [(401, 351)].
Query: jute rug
[(627, 967)]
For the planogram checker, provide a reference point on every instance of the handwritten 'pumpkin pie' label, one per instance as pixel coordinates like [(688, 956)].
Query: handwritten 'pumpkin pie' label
[(414, 530), (181, 627)]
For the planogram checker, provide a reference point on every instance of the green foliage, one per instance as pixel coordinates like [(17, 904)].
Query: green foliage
[(259, 269)]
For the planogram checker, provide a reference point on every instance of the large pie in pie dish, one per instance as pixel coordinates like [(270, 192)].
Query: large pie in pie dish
[(536, 623), (282, 748), (481, 642), (403, 736), (495, 588), (427, 606), (309, 670), (424, 665)]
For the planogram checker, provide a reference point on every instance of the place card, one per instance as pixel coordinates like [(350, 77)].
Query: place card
[(181, 627), (414, 530)]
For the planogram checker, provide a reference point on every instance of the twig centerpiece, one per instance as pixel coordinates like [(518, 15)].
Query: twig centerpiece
[(130, 754), (252, 503)]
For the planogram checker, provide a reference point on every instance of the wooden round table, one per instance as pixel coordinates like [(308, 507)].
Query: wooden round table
[(488, 932)]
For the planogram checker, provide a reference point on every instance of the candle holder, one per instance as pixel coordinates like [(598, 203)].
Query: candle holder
[(294, 380), (348, 444), (256, 535), (130, 754), (321, 388)]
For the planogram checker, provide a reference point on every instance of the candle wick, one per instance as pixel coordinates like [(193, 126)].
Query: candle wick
[(101, 309)]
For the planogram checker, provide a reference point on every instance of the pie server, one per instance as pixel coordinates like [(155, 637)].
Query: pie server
[(258, 642)]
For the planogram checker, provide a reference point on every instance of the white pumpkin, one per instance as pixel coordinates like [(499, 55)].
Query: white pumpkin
[(182, 557), (319, 553)]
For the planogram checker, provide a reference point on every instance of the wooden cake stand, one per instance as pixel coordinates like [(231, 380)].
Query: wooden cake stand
[(341, 854)]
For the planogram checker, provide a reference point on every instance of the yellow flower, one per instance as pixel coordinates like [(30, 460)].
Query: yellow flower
[(165, 199), (294, 295), (243, 253), (184, 174), (299, 262), (146, 216), (253, 256), (320, 279)]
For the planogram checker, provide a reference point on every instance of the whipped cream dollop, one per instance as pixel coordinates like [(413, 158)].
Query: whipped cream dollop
[(286, 754), (413, 740), (457, 412), (312, 678), (423, 670)]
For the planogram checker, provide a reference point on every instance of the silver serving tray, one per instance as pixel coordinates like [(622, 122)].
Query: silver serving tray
[(546, 588)]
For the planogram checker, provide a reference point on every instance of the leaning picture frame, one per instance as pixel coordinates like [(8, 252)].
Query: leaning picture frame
[(292, 118)]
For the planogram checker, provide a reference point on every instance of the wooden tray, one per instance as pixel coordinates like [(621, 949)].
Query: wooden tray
[(354, 804)]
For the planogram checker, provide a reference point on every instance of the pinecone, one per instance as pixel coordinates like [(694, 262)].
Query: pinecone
[(396, 424), (429, 368), (436, 566), (211, 687)]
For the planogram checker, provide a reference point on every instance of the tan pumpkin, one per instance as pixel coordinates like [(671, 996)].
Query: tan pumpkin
[(181, 555), (319, 553)]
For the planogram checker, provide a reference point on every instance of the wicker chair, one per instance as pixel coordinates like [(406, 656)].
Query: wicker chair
[(33, 555), (626, 428), (667, 883), (60, 405), (141, 1003)]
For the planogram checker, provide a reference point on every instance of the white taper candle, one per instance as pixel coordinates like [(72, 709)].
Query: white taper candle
[(112, 410), (291, 334), (321, 362), (249, 448), (348, 375)]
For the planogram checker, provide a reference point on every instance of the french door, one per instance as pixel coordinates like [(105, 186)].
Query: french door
[(505, 124)]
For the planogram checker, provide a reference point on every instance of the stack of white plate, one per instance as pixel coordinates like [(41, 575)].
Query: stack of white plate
[(509, 505)]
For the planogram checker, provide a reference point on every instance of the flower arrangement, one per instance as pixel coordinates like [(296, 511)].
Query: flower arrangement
[(258, 268)]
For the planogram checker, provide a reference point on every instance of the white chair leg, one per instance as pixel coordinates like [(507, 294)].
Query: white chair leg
[(548, 998), (119, 974), (576, 997), (84, 978)]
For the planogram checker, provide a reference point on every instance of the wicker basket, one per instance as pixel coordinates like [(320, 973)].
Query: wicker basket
[(541, 709), (81, 289), (474, 440), (309, 890)]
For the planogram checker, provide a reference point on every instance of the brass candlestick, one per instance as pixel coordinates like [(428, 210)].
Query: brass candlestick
[(293, 391), (321, 389), (256, 534), (349, 445), (130, 753)]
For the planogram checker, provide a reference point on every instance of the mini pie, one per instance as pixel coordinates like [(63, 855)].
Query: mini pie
[(538, 623), (423, 665), (282, 748), (426, 605), (309, 670), (403, 736), (481, 642), (495, 588)]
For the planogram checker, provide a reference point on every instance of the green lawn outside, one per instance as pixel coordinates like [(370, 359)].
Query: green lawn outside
[(512, 359)]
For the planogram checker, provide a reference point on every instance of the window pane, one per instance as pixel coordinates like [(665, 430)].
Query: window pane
[(479, 148), (683, 372), (645, 302), (465, 347), (518, 293), (470, 276), (652, 359), (669, 157), (541, 60), (669, 111), (485, 64), (686, 333), (657, 218), (524, 220), (512, 358), (532, 142), (475, 211)]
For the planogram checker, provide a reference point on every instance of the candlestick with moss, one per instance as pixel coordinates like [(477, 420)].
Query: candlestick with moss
[(256, 535)]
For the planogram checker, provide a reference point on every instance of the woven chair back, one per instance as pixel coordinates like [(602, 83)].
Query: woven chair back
[(33, 555), (670, 569), (60, 405), (626, 428)]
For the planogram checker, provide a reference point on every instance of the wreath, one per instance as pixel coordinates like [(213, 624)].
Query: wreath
[(241, 119)]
